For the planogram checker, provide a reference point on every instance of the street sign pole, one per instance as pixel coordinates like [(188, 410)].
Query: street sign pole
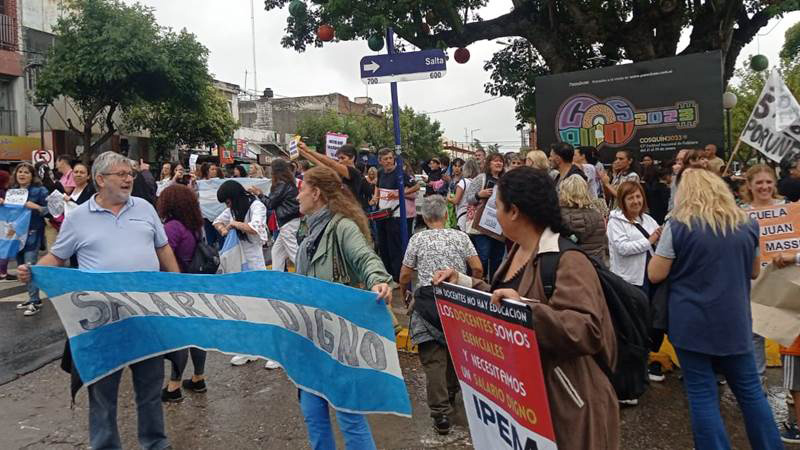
[(398, 149)]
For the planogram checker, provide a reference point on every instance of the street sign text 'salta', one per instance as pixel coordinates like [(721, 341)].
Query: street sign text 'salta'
[(422, 65)]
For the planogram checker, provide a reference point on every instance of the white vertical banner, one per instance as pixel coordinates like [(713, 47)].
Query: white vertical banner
[(774, 125)]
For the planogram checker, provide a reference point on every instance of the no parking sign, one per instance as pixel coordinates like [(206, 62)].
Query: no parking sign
[(45, 156)]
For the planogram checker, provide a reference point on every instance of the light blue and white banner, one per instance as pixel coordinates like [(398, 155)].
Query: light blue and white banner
[(210, 206), (14, 223), (332, 340), (231, 256)]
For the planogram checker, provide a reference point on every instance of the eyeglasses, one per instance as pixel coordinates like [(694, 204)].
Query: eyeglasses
[(122, 174)]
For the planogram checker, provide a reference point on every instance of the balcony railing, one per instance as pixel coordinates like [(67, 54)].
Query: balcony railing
[(8, 33), (8, 122)]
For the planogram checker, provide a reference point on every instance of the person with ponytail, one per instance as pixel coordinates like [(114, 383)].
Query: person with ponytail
[(335, 245)]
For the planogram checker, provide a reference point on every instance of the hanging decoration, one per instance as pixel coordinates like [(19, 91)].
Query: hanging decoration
[(325, 33), (375, 42), (759, 63), (297, 9), (462, 55)]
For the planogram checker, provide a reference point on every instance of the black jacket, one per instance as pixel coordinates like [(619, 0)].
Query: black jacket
[(144, 186), (283, 200)]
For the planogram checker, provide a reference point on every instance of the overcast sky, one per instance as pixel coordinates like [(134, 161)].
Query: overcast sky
[(224, 27)]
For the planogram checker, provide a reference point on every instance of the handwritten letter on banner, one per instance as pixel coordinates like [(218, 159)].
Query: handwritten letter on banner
[(496, 359), (332, 340)]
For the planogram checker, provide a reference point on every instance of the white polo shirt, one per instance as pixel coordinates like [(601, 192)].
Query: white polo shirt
[(102, 241)]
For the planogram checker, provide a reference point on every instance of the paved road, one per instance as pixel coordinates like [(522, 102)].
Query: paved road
[(26, 343)]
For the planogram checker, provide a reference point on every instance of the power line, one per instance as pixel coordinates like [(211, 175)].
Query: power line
[(462, 107)]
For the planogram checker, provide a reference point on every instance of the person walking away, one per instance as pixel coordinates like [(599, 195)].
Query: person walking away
[(92, 232), (64, 167), (436, 248), (573, 328), (179, 209), (247, 217), (538, 160), (561, 155), (632, 236), (582, 219), (586, 159), (335, 247), (490, 250), (761, 192), (710, 324), (24, 177), (387, 194), (623, 171), (283, 200)]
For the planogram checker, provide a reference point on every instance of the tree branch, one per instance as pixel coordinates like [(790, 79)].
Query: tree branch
[(514, 23), (111, 129)]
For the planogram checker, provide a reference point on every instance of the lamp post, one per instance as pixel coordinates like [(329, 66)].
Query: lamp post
[(729, 102)]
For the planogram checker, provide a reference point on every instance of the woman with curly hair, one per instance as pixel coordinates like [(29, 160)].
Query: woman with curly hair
[(180, 211), (573, 326), (335, 246)]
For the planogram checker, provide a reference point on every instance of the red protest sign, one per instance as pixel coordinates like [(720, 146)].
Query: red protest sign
[(496, 358)]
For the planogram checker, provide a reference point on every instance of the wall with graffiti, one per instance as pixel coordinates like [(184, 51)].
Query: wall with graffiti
[(653, 107)]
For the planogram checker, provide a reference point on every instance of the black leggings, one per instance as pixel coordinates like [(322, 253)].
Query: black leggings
[(180, 359), (656, 339)]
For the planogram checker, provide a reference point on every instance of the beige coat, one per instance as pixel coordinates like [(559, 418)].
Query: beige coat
[(572, 328)]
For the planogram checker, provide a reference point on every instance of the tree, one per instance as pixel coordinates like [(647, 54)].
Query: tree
[(421, 138), (171, 124), (549, 36), (791, 46), (109, 57)]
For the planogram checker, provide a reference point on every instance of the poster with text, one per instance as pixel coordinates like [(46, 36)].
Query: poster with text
[(779, 228), (333, 142), (496, 359), (657, 107)]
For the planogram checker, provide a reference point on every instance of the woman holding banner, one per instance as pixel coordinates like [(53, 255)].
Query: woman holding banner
[(760, 192), (335, 246), (24, 178), (490, 249), (573, 327), (709, 320)]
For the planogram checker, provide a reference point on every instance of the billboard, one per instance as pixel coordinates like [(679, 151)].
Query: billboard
[(656, 107)]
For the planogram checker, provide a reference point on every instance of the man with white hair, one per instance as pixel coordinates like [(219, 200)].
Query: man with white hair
[(436, 248), (117, 232)]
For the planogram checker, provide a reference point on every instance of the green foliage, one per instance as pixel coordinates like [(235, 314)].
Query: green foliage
[(421, 137), (791, 46), (110, 57), (548, 36), (171, 124)]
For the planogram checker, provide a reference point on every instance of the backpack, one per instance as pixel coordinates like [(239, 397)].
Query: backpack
[(205, 259), (629, 310)]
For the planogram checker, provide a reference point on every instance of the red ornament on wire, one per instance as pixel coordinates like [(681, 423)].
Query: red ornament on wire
[(325, 33), (462, 55)]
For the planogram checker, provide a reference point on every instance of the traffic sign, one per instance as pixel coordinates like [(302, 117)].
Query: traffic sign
[(422, 65), (45, 156)]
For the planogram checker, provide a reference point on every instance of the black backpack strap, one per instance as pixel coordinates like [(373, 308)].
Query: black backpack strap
[(548, 265)]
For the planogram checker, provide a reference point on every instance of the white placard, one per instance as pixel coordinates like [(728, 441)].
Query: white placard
[(293, 152), (16, 197), (333, 142), (489, 217), (193, 163)]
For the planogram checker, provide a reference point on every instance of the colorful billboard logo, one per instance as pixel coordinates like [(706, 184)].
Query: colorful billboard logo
[(585, 120)]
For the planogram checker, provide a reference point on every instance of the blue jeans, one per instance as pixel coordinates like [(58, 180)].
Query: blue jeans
[(701, 389), (490, 251), (29, 255), (354, 427), (759, 354), (148, 376)]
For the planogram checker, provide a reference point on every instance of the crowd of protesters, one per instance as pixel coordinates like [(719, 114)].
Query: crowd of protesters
[(661, 226)]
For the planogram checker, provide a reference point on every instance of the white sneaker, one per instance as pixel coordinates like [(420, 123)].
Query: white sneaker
[(631, 402), (270, 365), (240, 360), (32, 310)]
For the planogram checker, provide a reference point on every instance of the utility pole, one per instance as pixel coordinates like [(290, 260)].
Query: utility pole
[(253, 31)]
